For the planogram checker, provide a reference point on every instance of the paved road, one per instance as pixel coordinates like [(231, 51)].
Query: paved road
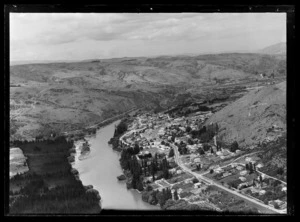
[(211, 182)]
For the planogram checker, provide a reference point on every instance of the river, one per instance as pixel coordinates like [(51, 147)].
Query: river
[(101, 169)]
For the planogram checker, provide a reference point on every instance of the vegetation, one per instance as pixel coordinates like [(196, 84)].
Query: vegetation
[(171, 153), (49, 187)]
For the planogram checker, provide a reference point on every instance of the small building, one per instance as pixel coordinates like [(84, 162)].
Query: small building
[(226, 174), (243, 179), (244, 172), (248, 159), (260, 165), (239, 168), (262, 192)]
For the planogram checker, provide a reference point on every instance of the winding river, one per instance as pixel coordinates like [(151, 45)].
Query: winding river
[(101, 169)]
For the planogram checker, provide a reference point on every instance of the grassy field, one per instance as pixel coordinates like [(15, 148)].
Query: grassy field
[(179, 178), (231, 202)]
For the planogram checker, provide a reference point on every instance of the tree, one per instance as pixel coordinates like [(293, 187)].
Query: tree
[(234, 146), (140, 185), (36, 148), (211, 171), (173, 139), (171, 153), (280, 171), (121, 128), (184, 150), (176, 195), (250, 168), (211, 150), (201, 151), (260, 179), (190, 141), (206, 147), (136, 149), (247, 166), (188, 129)]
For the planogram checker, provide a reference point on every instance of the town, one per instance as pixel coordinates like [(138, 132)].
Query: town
[(181, 157)]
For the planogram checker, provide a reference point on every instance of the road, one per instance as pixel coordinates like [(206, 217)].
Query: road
[(95, 125), (211, 182)]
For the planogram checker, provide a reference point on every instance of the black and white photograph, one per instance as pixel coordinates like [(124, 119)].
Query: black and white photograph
[(132, 112)]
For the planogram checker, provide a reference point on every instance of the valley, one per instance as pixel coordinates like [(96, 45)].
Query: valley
[(82, 93)]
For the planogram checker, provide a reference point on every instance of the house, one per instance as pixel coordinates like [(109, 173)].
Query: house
[(260, 165), (242, 184), (248, 159), (239, 168), (233, 164), (219, 153), (225, 152), (271, 203), (262, 192), (244, 172), (197, 185), (226, 174), (219, 170), (283, 189), (196, 191), (283, 205), (243, 179), (179, 172)]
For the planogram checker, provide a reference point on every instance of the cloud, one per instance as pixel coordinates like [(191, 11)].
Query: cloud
[(34, 32)]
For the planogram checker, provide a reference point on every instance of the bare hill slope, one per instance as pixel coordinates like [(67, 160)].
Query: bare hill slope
[(276, 49), (259, 116)]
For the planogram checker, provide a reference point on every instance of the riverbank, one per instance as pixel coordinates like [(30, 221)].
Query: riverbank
[(17, 162), (51, 185), (101, 169)]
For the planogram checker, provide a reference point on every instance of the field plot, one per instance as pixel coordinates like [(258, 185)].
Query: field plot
[(179, 178)]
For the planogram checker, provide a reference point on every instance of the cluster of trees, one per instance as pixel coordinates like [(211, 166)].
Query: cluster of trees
[(158, 197), (250, 167), (182, 149), (121, 128), (35, 196), (149, 166), (206, 147), (65, 199), (234, 146), (171, 153), (189, 110), (206, 133)]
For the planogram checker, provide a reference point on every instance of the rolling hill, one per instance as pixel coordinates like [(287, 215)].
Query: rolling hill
[(276, 49), (256, 118), (64, 96)]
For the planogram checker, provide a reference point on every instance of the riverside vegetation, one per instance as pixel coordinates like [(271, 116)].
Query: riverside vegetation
[(50, 185)]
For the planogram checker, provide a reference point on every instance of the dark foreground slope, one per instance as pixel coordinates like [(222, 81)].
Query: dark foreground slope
[(50, 186)]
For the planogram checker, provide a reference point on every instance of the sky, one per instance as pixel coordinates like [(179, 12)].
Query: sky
[(79, 36)]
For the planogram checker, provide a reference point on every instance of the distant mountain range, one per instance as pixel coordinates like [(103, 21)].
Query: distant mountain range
[(276, 49)]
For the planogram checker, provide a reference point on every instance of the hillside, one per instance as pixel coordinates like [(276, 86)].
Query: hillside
[(64, 96), (256, 118), (276, 49)]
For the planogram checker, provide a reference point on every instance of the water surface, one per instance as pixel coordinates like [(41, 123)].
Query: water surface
[(101, 169)]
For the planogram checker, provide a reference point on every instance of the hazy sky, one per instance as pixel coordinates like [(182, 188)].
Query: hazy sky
[(75, 36)]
